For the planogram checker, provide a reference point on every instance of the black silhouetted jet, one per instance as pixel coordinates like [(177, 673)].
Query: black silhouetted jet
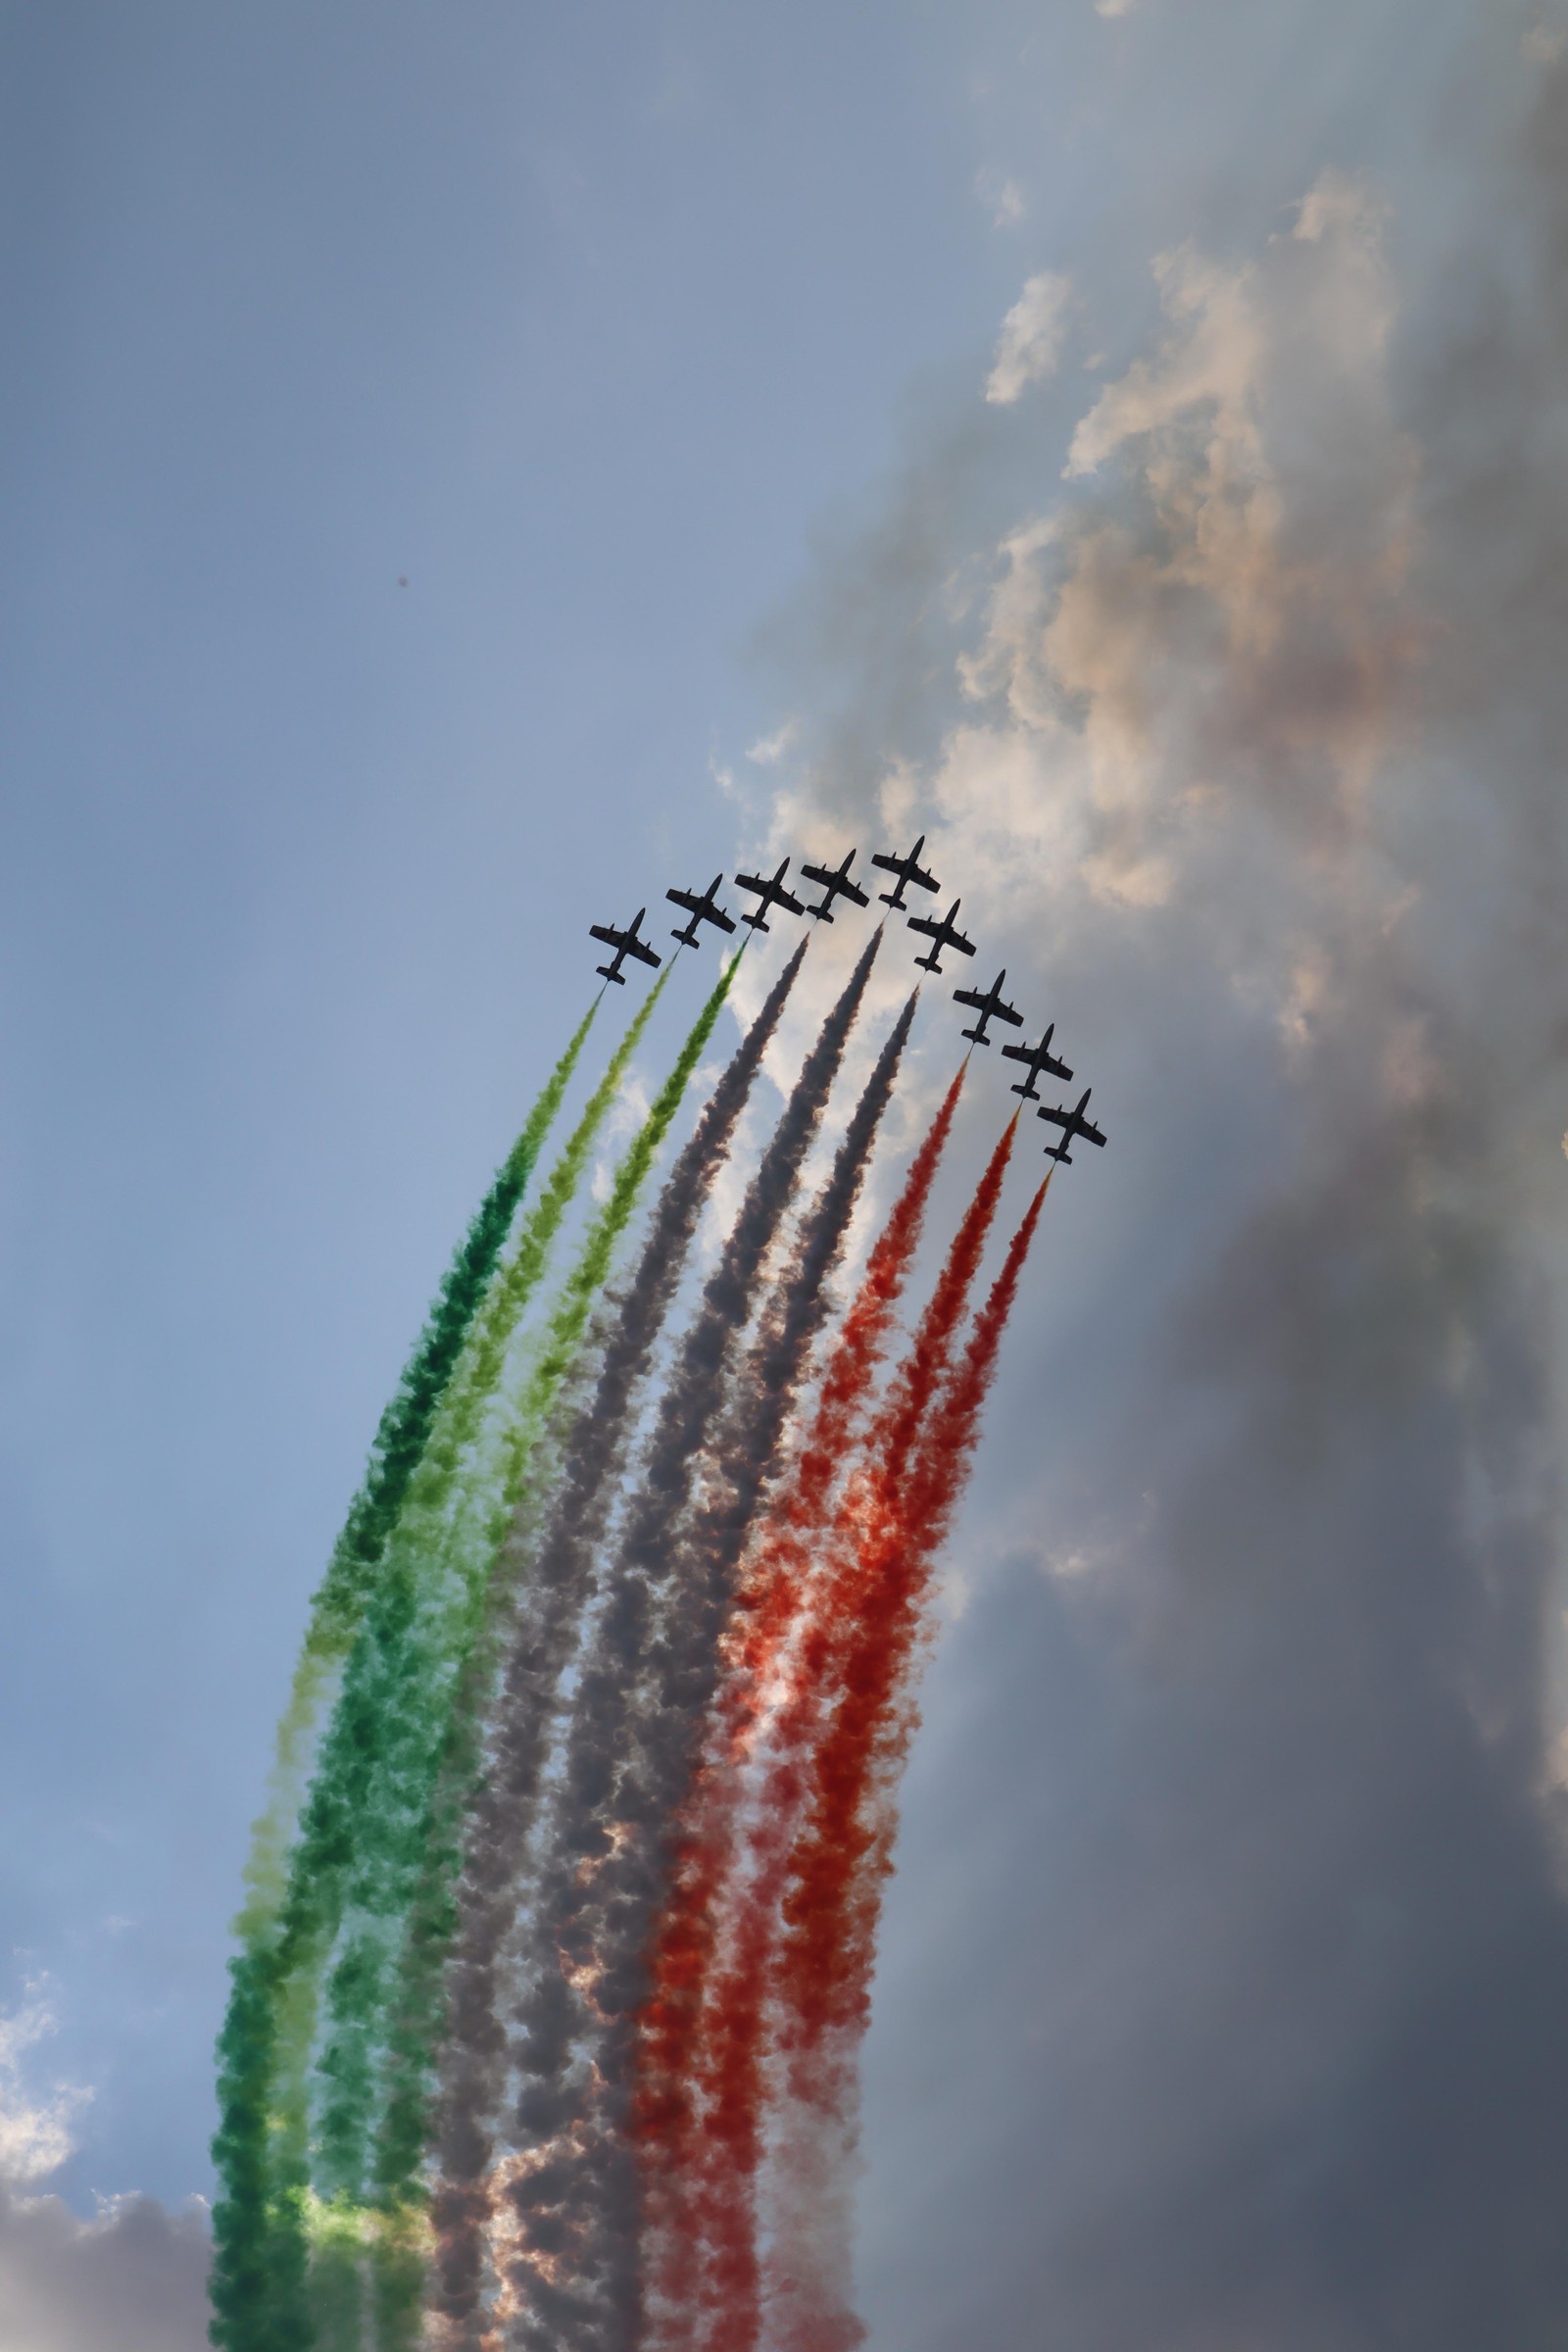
[(835, 884), (988, 1004), (703, 907), (943, 934), (769, 892), (1039, 1057), (908, 869), (1073, 1124), (626, 943)]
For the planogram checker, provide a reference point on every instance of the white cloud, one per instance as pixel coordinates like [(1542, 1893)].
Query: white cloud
[(1222, 639), (1003, 196), (768, 750), (1113, 8), (1030, 345), (134, 2278), (36, 2135), (1543, 44)]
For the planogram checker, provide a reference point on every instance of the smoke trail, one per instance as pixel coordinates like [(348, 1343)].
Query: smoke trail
[(260, 2219), (400, 1440), (429, 1633), (742, 1464), (603, 1927), (683, 1951), (542, 1643), (401, 1892), (720, 2172), (842, 1853)]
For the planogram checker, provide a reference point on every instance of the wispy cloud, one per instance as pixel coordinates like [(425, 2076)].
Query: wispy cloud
[(768, 750), (35, 2128), (1003, 196), (1033, 334)]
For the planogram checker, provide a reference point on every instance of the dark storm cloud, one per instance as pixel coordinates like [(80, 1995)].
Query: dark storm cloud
[(1225, 1989)]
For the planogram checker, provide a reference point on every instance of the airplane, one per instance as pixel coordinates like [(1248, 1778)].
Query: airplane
[(704, 908), (1039, 1057), (944, 934), (989, 1005), (1073, 1124), (770, 892), (836, 884), (626, 943), (908, 869)]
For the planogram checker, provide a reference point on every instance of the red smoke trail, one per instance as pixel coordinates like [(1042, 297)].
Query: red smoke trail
[(832, 1900), (682, 1952), (710, 2206)]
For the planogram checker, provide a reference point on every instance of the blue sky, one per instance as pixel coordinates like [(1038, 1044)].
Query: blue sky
[(648, 346)]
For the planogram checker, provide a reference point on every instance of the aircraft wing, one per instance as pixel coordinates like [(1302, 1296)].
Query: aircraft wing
[(609, 934), (644, 953), (1005, 1013), (687, 899), (972, 995)]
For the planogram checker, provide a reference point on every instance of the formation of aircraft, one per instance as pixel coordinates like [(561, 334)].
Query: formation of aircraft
[(703, 907), (988, 1004), (626, 943), (773, 895)]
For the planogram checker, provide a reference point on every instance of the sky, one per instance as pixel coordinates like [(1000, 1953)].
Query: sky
[(1123, 441)]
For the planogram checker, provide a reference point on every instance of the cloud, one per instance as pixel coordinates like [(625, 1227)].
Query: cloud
[(1003, 196), (1114, 7), (1543, 44), (35, 2131), (1033, 333), (134, 2278), (769, 750), (1224, 1991)]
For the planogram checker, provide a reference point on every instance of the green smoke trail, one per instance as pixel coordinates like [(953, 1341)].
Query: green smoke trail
[(416, 2009), (261, 2221), (432, 1682), (400, 1440)]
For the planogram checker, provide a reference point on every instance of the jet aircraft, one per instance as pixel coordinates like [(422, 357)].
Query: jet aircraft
[(769, 892), (942, 934), (626, 943), (908, 869), (703, 907), (1073, 1124), (1039, 1057), (988, 1004), (836, 884)]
